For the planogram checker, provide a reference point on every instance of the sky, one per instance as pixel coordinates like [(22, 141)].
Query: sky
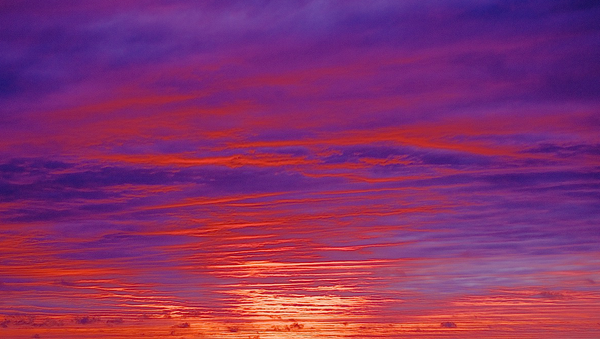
[(299, 169)]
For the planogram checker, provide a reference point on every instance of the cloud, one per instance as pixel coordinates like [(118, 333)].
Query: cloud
[(86, 320), (30, 321), (115, 321), (515, 180), (182, 325), (228, 160), (566, 150), (551, 295)]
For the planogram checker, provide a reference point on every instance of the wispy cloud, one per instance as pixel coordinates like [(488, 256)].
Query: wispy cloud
[(254, 169)]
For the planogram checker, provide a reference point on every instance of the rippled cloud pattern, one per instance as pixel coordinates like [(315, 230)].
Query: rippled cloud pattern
[(300, 169)]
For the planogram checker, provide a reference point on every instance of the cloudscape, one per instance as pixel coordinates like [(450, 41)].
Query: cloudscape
[(300, 169)]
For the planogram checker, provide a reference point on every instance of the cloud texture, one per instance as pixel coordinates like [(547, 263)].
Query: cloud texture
[(259, 169)]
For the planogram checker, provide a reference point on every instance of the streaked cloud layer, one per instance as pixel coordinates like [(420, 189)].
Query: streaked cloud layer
[(340, 169)]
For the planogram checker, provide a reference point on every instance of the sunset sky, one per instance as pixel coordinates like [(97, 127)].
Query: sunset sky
[(299, 169)]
